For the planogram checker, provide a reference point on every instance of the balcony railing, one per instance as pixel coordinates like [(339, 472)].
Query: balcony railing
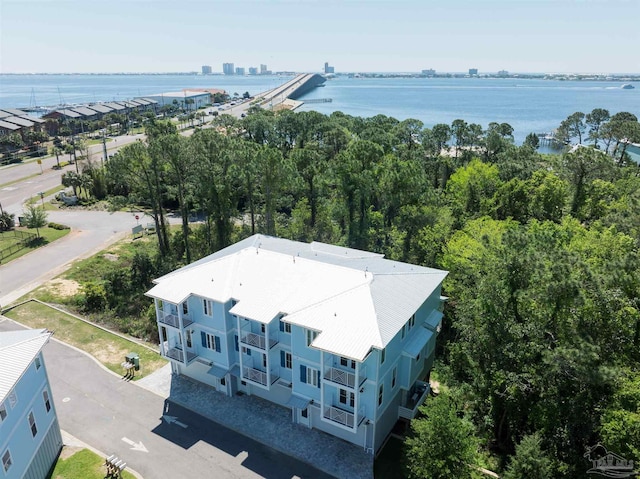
[(414, 399), (177, 353), (343, 377), (260, 377), (173, 320), (343, 417), (257, 340)]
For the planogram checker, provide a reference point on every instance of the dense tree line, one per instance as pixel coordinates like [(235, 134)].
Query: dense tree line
[(540, 349)]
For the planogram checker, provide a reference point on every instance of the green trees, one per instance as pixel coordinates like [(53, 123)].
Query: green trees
[(442, 445), (35, 217), (542, 331)]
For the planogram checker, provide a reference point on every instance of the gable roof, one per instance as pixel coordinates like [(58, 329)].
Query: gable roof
[(18, 349), (357, 300)]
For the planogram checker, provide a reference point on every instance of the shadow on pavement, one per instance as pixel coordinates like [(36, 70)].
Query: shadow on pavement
[(191, 428)]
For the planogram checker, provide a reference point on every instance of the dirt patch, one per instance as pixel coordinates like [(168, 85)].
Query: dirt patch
[(68, 451), (111, 257), (107, 353), (63, 287)]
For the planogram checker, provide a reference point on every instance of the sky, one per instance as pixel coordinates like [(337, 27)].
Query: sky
[(92, 36)]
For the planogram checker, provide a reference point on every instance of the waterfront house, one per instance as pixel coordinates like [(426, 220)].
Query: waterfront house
[(30, 438), (344, 338)]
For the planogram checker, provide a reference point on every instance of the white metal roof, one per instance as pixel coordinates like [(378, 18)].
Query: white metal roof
[(357, 300), (18, 349)]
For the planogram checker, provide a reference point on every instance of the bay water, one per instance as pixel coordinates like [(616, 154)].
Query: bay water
[(528, 105)]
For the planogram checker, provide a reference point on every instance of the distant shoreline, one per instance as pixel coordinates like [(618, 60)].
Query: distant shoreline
[(626, 77)]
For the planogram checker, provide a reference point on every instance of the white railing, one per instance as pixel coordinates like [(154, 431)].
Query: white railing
[(340, 416), (414, 399), (340, 376), (256, 340), (176, 352), (173, 320), (254, 375)]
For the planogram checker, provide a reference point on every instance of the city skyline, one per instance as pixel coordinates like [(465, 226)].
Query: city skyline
[(591, 36)]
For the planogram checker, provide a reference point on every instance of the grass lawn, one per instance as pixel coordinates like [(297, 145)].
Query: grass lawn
[(107, 348), (97, 141), (81, 464), (47, 235)]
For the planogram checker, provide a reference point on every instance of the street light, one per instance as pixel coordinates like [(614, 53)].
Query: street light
[(42, 198)]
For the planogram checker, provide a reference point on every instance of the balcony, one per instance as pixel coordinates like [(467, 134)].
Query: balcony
[(344, 377), (173, 320), (257, 376), (256, 340), (413, 399), (343, 417), (176, 352)]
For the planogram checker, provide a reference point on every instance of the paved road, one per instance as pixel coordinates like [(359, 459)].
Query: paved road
[(101, 409), (91, 231)]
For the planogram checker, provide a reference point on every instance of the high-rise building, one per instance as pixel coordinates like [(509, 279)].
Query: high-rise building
[(328, 68), (253, 71), (503, 73), (263, 69), (239, 70), (228, 69), (206, 69), (430, 72), (473, 71)]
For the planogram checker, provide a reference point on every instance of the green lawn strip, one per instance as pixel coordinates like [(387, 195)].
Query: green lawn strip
[(47, 235), (108, 348), (83, 464), (97, 141)]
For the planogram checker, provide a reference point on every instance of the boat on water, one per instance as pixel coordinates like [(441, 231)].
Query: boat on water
[(627, 86)]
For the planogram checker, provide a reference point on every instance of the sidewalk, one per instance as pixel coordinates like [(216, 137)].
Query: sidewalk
[(264, 422)]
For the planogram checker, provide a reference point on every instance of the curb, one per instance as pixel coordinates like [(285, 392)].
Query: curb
[(69, 440)]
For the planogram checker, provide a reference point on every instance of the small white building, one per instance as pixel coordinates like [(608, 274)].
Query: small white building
[(30, 438), (188, 100)]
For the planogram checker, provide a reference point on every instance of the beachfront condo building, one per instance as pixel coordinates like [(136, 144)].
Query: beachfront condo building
[(30, 438), (344, 338)]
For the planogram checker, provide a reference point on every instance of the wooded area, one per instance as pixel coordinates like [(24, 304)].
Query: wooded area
[(541, 341)]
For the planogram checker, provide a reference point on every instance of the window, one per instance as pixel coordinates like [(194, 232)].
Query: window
[(235, 339), (163, 331), (418, 357), (285, 327), (383, 355), (3, 412), (404, 330), (207, 307), (344, 397), (32, 424), (264, 360), (263, 329), (412, 321), (188, 337), (223, 382), (6, 460), (185, 308), (210, 341), (37, 361), (393, 377), (348, 363), (380, 394), (285, 359), (311, 335), (246, 351), (47, 402), (13, 399), (304, 412), (309, 376)]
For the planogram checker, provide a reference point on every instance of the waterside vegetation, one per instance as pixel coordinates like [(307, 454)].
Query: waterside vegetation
[(541, 339)]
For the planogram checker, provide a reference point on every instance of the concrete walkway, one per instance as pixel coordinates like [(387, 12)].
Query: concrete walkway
[(264, 422)]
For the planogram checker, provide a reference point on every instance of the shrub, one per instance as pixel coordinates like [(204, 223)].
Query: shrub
[(58, 226), (7, 221)]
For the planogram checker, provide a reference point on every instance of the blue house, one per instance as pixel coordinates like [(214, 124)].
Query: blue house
[(344, 338), (30, 438)]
